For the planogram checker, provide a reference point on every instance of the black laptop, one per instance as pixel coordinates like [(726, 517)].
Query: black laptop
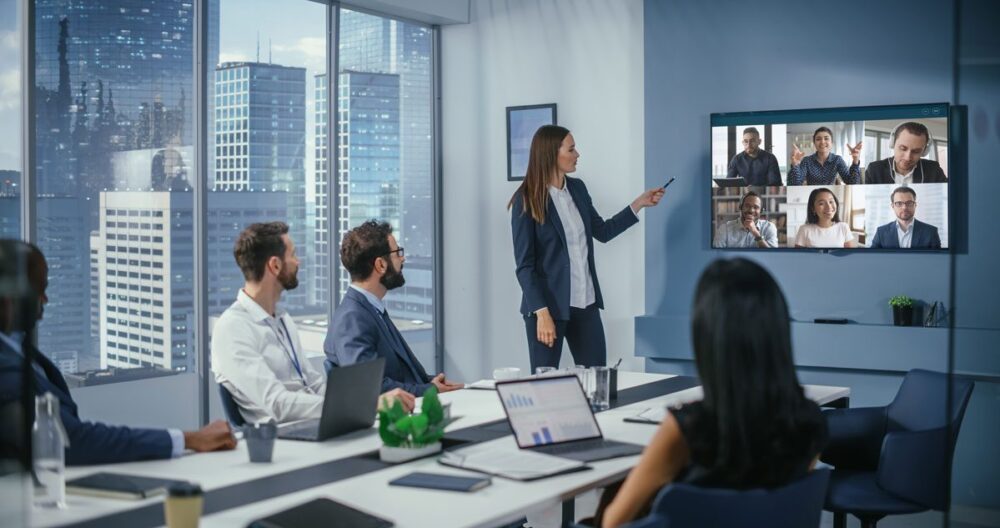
[(730, 182), (551, 415), (350, 403)]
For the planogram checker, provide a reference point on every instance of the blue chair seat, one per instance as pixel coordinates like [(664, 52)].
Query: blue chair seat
[(857, 492)]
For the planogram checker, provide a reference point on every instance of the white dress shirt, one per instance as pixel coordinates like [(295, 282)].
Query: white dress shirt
[(905, 235), (581, 284), (901, 180), (255, 359)]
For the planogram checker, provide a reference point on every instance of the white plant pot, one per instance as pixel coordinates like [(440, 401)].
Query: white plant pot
[(402, 454)]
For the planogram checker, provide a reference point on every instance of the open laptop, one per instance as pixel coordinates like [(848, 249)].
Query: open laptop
[(350, 403), (551, 415), (730, 182)]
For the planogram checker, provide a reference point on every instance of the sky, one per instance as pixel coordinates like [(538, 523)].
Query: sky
[(10, 87)]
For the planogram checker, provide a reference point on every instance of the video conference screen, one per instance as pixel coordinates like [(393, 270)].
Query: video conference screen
[(871, 178)]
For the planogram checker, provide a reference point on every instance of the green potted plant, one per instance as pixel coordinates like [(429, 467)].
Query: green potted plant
[(409, 436), (902, 310)]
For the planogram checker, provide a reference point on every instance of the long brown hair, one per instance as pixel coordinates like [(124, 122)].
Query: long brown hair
[(542, 162)]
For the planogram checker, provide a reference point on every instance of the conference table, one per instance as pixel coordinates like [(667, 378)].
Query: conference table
[(347, 469)]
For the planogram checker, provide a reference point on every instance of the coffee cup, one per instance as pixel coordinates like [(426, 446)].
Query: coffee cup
[(182, 507)]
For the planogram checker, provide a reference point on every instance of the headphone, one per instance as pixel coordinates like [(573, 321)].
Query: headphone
[(927, 147), (895, 135)]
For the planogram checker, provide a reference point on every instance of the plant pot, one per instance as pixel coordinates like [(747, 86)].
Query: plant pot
[(902, 315), (394, 455)]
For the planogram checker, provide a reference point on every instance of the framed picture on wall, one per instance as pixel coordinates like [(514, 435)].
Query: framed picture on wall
[(522, 122)]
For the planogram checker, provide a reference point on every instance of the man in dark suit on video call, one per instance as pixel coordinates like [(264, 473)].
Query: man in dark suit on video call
[(910, 142), (756, 165), (906, 231)]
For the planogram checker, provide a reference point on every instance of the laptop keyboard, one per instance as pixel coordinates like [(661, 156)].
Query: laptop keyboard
[(574, 447), (307, 430)]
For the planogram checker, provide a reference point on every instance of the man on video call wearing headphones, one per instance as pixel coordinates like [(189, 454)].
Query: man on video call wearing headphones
[(910, 142)]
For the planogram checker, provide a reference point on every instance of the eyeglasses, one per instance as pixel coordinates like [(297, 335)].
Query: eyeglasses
[(908, 203), (398, 251)]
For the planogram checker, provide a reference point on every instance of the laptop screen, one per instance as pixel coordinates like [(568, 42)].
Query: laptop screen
[(547, 410)]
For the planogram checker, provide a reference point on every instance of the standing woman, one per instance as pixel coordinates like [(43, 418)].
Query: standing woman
[(554, 224)]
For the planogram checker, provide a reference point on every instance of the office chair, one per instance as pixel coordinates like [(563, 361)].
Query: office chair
[(231, 409), (795, 505), (896, 459)]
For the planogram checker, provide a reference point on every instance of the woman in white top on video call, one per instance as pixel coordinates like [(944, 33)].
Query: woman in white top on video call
[(823, 228)]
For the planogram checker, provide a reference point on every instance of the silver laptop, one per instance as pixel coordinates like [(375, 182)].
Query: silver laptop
[(551, 415), (350, 403)]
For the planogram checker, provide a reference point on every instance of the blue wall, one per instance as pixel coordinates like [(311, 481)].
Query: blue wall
[(730, 56)]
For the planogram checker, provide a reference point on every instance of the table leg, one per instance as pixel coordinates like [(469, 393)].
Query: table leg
[(568, 512)]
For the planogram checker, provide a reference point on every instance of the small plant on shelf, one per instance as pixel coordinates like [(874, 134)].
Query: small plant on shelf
[(901, 301), (902, 310)]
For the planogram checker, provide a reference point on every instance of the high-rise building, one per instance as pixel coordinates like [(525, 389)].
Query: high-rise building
[(146, 299), (260, 142), (381, 45), (368, 162), (64, 238)]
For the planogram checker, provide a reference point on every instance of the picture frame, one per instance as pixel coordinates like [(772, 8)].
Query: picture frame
[(522, 122)]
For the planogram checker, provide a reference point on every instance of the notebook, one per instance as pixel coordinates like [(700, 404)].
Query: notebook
[(321, 513), (119, 486), (420, 479)]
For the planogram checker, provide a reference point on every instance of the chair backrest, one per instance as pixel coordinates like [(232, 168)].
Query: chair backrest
[(795, 505), (230, 407), (922, 402)]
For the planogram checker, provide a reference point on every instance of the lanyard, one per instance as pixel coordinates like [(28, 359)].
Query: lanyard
[(292, 356)]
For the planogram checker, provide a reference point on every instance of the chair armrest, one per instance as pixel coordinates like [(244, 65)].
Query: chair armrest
[(914, 466), (855, 437)]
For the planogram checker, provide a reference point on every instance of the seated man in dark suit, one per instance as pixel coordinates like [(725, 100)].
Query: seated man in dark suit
[(910, 142), (361, 329), (906, 232), (89, 442)]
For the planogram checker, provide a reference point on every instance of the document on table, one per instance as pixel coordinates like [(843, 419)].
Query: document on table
[(652, 415), (517, 465), (483, 384)]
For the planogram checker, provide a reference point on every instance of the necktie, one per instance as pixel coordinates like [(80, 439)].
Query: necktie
[(409, 359)]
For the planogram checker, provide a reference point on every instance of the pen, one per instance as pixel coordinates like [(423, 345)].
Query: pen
[(668, 183), (620, 359)]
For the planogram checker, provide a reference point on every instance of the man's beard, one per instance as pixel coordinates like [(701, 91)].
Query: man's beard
[(289, 281), (393, 277)]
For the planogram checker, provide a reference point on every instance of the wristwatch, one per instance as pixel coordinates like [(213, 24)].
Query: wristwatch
[(758, 238)]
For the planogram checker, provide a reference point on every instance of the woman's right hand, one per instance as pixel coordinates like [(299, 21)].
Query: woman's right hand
[(545, 330), (797, 155)]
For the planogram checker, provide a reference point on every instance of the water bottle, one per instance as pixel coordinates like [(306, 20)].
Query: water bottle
[(48, 445)]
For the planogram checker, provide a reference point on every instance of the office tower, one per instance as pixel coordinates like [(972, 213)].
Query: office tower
[(65, 239), (10, 207), (381, 45), (368, 162), (114, 81), (146, 274), (96, 255), (260, 145)]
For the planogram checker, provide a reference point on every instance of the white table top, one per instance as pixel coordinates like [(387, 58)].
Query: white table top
[(502, 501)]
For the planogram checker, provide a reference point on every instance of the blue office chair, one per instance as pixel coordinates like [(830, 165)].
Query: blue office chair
[(231, 409), (795, 505), (896, 459)]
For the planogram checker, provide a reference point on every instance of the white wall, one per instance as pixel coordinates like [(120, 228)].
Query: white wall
[(586, 56)]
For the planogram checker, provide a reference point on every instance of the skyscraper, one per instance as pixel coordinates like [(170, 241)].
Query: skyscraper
[(145, 275), (260, 142), (368, 163)]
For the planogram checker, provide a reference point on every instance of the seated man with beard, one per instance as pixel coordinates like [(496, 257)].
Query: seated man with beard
[(361, 329), (257, 354)]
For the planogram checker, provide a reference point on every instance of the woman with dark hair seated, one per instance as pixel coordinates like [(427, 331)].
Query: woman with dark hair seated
[(754, 428)]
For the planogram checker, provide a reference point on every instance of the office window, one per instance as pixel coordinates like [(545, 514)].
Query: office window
[(10, 120), (114, 124), (270, 57), (385, 158)]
